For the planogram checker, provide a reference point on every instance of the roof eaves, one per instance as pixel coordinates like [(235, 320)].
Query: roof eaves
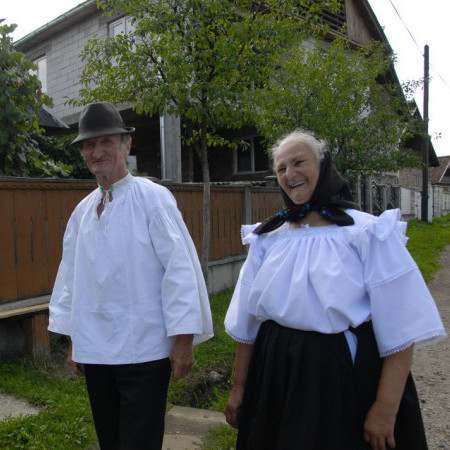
[(367, 11), (446, 159), (49, 120), (70, 17)]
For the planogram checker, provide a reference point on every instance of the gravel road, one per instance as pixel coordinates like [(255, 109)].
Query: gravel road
[(431, 368)]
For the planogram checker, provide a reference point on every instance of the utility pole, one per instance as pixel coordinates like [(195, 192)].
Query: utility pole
[(426, 138)]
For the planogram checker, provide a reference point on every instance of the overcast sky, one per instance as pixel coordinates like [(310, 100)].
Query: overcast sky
[(427, 22)]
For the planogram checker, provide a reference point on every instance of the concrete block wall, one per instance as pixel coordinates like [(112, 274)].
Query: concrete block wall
[(224, 273), (64, 65), (410, 178), (441, 200)]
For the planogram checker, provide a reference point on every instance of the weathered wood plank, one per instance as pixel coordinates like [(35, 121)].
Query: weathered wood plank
[(23, 311)]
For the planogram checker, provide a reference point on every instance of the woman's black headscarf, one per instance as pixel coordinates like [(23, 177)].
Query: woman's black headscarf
[(330, 196)]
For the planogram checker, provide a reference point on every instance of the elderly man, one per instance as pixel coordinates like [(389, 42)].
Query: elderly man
[(129, 290)]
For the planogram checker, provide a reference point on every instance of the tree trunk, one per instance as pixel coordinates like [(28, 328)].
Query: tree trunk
[(2, 162), (206, 207), (190, 165)]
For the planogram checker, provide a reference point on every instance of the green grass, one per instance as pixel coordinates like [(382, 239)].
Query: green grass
[(65, 421), (208, 383), (220, 438), (426, 241)]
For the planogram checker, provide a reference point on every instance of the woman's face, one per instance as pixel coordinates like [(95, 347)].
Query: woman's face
[(297, 170)]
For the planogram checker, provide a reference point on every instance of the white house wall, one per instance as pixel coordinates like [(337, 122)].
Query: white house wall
[(406, 204), (64, 66)]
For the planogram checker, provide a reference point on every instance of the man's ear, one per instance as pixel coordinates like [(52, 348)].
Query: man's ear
[(129, 146)]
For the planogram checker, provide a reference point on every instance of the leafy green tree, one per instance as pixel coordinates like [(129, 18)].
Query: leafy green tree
[(20, 100), (59, 148), (344, 95), (197, 59)]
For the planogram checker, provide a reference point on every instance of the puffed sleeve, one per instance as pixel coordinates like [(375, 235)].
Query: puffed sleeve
[(239, 323), (60, 308), (403, 310), (184, 296)]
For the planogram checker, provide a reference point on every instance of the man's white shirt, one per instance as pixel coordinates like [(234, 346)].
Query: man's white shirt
[(129, 280)]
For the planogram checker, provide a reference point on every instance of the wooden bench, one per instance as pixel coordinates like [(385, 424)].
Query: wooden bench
[(34, 322)]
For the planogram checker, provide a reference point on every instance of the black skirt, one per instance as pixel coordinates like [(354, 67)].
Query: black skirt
[(304, 392)]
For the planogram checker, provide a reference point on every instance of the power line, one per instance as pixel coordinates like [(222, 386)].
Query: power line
[(406, 26), (415, 42)]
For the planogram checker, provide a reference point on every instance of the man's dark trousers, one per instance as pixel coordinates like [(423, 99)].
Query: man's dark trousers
[(128, 403)]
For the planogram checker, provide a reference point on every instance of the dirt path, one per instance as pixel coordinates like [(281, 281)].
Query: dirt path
[(431, 368)]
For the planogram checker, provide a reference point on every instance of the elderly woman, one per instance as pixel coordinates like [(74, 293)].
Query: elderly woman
[(327, 309)]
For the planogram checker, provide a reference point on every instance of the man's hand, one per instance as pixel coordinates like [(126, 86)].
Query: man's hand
[(77, 368), (182, 356)]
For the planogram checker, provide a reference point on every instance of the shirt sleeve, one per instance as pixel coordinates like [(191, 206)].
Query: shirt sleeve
[(239, 323), (185, 300), (402, 308), (60, 308)]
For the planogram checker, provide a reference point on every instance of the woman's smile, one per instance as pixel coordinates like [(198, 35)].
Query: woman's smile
[(297, 170)]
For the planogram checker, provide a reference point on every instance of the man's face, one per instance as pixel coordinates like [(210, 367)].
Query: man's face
[(105, 156)]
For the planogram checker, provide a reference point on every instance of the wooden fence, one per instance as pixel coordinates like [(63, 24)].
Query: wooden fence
[(34, 214)]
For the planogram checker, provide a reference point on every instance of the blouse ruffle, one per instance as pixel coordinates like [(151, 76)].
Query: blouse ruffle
[(330, 278)]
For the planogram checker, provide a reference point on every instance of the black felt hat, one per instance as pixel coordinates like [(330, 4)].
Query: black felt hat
[(100, 119)]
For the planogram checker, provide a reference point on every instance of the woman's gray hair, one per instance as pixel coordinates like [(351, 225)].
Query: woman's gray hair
[(318, 146)]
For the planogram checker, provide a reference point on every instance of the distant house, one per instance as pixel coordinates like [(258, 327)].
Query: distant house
[(441, 174), (411, 179), (439, 178)]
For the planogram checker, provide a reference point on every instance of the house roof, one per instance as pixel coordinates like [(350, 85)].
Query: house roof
[(53, 27), (372, 24), (436, 174), (88, 7), (48, 120), (415, 143)]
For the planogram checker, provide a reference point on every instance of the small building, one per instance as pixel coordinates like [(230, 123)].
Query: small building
[(411, 180), (439, 178)]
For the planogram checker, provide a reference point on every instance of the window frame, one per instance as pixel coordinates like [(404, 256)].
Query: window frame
[(41, 74), (236, 170)]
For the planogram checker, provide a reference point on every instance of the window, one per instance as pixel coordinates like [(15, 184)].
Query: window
[(416, 178), (41, 71), (250, 156), (121, 26), (335, 20)]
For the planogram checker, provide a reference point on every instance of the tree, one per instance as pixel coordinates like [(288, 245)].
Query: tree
[(20, 100), (197, 59), (344, 96), (59, 148)]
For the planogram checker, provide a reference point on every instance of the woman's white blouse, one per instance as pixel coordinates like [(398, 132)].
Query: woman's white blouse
[(330, 278), (130, 280)]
